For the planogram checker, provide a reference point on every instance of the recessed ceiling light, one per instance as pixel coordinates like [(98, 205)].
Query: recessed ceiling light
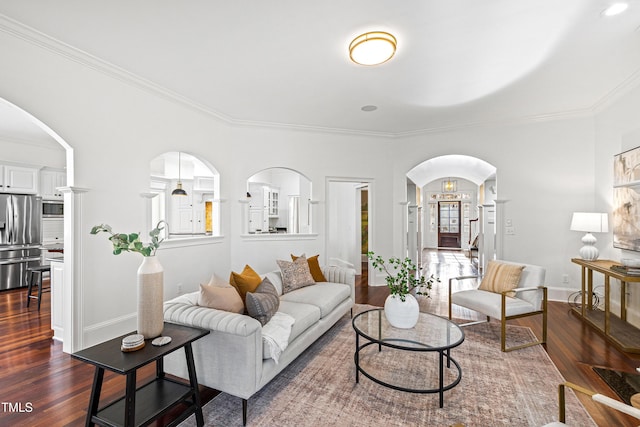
[(615, 9), (372, 48), (369, 108)]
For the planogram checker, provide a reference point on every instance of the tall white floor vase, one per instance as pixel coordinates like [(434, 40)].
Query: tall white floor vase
[(402, 314), (150, 298)]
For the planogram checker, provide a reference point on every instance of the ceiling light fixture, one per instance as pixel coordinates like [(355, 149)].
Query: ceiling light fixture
[(372, 48), (615, 9), (178, 190), (369, 108)]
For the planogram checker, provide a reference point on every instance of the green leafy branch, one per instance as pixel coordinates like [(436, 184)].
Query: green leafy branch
[(401, 276), (131, 242)]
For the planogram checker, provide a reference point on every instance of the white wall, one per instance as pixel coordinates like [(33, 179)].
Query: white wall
[(617, 129), (32, 154), (547, 170)]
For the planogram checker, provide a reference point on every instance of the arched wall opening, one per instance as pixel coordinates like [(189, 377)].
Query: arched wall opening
[(451, 204), (66, 306), (194, 214)]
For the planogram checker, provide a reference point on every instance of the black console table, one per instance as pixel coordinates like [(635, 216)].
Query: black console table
[(152, 400)]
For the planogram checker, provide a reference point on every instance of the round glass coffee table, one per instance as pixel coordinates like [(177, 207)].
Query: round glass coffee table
[(432, 334)]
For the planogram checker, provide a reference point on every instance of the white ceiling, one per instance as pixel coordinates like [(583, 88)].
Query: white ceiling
[(285, 63)]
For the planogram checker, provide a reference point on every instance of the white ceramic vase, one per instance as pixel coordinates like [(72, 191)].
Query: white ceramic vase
[(150, 297), (402, 314)]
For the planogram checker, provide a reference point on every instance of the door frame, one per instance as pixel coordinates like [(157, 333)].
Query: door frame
[(330, 221)]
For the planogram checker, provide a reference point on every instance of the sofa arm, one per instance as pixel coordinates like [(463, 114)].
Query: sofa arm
[(210, 318), (340, 275), (229, 359), (344, 275)]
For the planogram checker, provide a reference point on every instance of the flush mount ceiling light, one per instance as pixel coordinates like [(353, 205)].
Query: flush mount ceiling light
[(372, 48), (615, 9)]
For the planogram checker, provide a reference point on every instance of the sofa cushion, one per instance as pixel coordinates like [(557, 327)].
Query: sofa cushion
[(325, 295), (314, 268), (305, 315), (489, 303), (244, 282), (221, 298), (263, 303), (295, 274)]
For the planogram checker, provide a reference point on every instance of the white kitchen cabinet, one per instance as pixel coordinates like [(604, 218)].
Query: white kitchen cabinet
[(18, 179), (57, 305), (263, 207), (52, 231), (273, 202), (187, 212), (204, 184), (50, 181)]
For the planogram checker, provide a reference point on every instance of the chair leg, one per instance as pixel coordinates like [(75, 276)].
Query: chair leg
[(29, 284), (39, 289)]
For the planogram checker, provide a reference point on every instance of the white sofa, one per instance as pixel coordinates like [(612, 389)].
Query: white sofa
[(233, 358)]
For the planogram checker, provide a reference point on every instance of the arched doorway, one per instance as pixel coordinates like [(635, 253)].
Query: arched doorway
[(455, 197), (28, 134)]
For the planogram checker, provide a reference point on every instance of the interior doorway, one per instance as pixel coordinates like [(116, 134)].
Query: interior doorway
[(349, 235), (449, 225)]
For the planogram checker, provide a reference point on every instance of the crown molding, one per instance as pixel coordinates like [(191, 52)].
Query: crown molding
[(37, 38), (617, 92)]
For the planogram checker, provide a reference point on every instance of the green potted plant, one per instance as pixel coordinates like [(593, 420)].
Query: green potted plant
[(131, 242), (150, 283), (401, 307)]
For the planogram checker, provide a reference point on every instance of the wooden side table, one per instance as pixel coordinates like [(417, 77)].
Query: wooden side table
[(152, 400), (615, 329)]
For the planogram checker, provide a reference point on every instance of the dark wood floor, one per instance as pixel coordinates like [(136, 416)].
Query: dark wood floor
[(42, 386)]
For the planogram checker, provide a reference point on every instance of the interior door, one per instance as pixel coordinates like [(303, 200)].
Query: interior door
[(449, 225)]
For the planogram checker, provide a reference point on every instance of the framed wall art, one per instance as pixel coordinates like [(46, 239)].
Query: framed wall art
[(626, 200)]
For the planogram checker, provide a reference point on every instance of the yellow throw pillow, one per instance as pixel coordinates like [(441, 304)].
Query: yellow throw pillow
[(244, 282), (501, 277), (314, 267), (221, 298)]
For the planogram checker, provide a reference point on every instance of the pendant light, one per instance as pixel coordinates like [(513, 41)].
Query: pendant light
[(179, 191)]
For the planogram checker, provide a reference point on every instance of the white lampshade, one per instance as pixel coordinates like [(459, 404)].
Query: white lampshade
[(372, 48), (590, 222)]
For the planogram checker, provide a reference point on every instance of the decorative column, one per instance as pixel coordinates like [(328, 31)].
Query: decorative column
[(72, 304)]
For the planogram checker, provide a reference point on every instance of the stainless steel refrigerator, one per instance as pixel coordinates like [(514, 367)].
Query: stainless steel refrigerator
[(20, 237)]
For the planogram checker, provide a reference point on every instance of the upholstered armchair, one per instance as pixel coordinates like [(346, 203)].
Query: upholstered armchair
[(597, 397), (508, 291)]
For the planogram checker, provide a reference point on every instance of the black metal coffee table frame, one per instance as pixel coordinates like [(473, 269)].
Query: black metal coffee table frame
[(408, 345)]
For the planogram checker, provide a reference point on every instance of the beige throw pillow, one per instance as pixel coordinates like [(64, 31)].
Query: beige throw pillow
[(295, 275), (501, 277), (221, 298)]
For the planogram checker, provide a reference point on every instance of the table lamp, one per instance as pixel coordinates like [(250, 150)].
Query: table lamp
[(589, 222)]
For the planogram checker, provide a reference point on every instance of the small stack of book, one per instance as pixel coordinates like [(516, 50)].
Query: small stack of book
[(628, 271)]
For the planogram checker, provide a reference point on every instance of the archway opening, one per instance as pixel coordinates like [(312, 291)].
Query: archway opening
[(451, 205)]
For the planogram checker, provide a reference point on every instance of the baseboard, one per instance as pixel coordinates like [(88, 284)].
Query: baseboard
[(560, 294), (103, 331)]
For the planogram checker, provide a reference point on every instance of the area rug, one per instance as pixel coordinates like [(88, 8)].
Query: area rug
[(319, 388)]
